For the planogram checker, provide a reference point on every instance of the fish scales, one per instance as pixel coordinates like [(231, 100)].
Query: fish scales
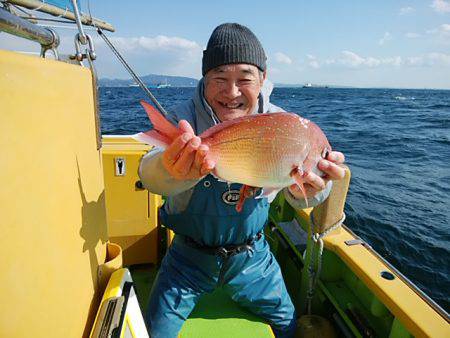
[(260, 151)]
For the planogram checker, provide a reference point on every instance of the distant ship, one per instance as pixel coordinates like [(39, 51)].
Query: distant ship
[(310, 85), (163, 85), (133, 85)]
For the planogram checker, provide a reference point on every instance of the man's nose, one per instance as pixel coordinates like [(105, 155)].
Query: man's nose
[(232, 90)]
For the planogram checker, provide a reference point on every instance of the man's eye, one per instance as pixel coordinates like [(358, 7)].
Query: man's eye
[(245, 81), (325, 153), (219, 81)]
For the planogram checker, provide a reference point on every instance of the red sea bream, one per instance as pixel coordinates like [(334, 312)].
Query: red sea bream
[(269, 151)]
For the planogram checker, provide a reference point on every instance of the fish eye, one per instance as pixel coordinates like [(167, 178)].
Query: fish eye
[(325, 152)]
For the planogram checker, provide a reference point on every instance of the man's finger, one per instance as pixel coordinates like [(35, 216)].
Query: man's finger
[(183, 165), (200, 156), (336, 157), (294, 188), (174, 150), (315, 181), (332, 170), (186, 127), (207, 166)]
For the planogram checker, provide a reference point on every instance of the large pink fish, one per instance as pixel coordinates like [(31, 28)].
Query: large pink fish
[(269, 151)]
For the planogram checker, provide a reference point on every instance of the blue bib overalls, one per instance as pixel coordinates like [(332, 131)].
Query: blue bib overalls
[(252, 278)]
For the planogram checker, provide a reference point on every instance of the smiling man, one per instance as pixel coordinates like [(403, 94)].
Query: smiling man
[(233, 90), (215, 246)]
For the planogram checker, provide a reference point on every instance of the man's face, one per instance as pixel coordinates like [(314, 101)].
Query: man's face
[(232, 90)]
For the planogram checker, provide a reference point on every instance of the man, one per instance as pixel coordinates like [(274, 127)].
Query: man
[(215, 246)]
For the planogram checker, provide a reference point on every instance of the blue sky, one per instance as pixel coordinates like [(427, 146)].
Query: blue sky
[(404, 44)]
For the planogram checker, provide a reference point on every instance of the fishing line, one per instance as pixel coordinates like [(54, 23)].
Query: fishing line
[(127, 67), (132, 73)]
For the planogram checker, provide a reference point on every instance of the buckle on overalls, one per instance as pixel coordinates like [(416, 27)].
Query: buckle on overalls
[(222, 252), (231, 250)]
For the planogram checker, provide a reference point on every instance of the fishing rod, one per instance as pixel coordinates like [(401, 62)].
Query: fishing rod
[(132, 73)]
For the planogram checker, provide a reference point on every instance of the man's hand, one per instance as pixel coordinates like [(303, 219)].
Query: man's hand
[(185, 158), (314, 183)]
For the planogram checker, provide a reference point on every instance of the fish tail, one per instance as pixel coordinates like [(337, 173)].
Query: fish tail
[(163, 132), (154, 138)]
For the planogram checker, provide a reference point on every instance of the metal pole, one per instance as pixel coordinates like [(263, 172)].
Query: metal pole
[(82, 36), (56, 11), (12, 24)]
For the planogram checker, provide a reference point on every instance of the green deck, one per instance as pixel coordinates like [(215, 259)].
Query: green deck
[(216, 315)]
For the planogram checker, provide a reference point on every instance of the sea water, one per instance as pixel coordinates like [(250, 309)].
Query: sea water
[(397, 145)]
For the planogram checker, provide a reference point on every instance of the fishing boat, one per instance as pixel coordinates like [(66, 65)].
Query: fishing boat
[(81, 241), (163, 85)]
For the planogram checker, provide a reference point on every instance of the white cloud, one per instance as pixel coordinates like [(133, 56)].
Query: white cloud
[(444, 29), (442, 33), (386, 37), (393, 61), (353, 60), (283, 58), (414, 61), (406, 10), (439, 59), (411, 35), (441, 6), (159, 55), (430, 59), (158, 43), (312, 61)]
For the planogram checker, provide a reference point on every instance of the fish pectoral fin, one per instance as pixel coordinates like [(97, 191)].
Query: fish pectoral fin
[(298, 175), (269, 193), (245, 192)]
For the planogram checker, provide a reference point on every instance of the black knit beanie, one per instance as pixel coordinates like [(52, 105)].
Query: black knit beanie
[(233, 43)]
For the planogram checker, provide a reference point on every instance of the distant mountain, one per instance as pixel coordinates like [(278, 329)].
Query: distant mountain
[(152, 81)]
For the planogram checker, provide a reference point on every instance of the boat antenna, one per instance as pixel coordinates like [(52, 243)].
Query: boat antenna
[(132, 73)]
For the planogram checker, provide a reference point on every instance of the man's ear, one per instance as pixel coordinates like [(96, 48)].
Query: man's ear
[(264, 76)]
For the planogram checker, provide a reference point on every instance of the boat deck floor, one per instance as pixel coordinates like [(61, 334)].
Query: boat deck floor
[(216, 314)]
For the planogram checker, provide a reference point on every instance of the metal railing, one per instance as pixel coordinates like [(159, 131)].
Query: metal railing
[(12, 24)]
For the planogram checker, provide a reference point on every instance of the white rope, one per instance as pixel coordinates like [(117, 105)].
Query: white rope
[(63, 14), (39, 7), (317, 239)]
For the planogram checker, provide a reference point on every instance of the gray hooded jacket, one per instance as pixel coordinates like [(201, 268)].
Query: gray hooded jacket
[(200, 116)]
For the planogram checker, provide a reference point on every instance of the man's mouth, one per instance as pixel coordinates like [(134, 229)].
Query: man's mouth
[(231, 105)]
